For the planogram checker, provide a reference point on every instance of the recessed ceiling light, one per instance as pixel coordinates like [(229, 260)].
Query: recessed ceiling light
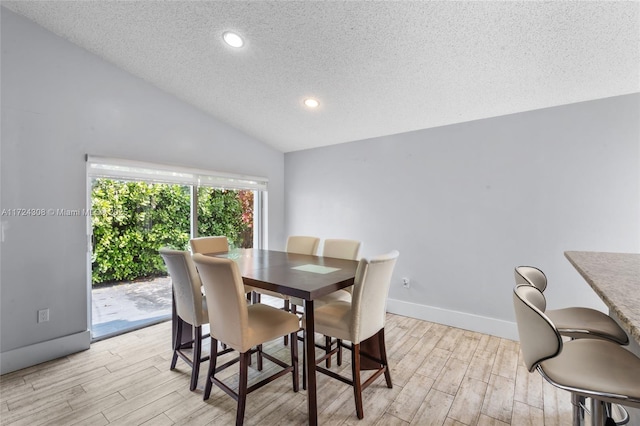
[(233, 39), (311, 103)]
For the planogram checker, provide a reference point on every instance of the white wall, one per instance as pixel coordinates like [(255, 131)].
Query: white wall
[(60, 102), (465, 204)]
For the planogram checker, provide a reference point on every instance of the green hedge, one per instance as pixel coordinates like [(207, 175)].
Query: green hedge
[(132, 220)]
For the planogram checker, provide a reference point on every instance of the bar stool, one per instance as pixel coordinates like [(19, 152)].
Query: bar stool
[(578, 323), (340, 249), (574, 322), (191, 307), (243, 328), (215, 244), (588, 368), (358, 321)]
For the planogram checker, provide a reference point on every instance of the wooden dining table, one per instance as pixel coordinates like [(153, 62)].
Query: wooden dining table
[(303, 276)]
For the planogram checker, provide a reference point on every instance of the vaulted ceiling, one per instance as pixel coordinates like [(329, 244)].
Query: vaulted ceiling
[(376, 68)]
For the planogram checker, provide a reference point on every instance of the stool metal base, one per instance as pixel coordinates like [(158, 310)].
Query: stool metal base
[(619, 414), (587, 411)]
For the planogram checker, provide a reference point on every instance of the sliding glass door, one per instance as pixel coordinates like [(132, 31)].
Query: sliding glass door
[(135, 212)]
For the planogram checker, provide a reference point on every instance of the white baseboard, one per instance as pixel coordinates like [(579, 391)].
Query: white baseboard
[(480, 324), (27, 356)]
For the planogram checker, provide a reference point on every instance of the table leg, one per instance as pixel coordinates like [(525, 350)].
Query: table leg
[(310, 351)]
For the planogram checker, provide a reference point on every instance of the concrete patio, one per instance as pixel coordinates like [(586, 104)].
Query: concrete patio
[(129, 305)]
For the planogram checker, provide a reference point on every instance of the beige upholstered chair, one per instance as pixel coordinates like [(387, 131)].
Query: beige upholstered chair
[(207, 245), (340, 249), (361, 319), (574, 322), (242, 327), (295, 244), (302, 244), (588, 368), (299, 245), (214, 244), (190, 307)]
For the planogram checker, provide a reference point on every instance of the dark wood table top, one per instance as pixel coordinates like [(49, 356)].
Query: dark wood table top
[(300, 275)]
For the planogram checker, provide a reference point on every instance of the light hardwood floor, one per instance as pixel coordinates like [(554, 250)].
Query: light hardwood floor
[(441, 376)]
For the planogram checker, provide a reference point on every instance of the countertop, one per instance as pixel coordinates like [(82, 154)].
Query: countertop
[(615, 277)]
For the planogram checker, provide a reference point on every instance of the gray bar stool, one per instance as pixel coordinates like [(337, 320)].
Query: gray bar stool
[(588, 368), (574, 322), (578, 323)]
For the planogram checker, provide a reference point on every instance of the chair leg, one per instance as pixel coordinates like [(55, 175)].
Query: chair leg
[(327, 349), (213, 358), (259, 357), (339, 361), (176, 343), (197, 354), (242, 387), (383, 358), (294, 361), (357, 385), (287, 308)]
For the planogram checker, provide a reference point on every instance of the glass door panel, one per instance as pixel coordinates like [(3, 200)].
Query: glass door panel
[(131, 221), (227, 212)]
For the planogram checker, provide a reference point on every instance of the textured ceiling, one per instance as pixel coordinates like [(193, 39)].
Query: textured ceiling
[(378, 68)]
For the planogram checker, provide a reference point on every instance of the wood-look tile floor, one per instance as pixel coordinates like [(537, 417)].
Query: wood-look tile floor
[(441, 376)]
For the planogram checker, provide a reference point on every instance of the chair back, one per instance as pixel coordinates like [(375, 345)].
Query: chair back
[(186, 284), (532, 276), (206, 245), (228, 316), (539, 338), (302, 244), (341, 249), (369, 297)]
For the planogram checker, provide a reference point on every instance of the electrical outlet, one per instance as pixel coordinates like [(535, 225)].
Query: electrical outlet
[(43, 315), (406, 283)]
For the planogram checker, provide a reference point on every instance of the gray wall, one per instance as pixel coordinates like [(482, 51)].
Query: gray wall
[(60, 102), (465, 204)]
